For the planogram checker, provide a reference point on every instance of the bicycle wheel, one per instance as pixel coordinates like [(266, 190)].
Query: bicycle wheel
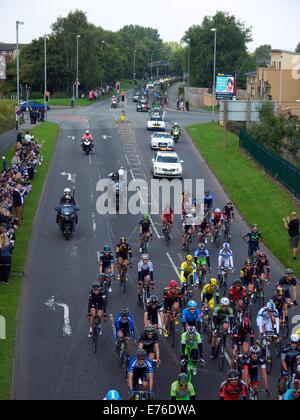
[(269, 363), (209, 331), (221, 358), (278, 348), (285, 329), (224, 287), (261, 298), (95, 337), (172, 332)]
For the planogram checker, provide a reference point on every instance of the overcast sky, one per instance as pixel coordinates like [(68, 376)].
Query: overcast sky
[(274, 22)]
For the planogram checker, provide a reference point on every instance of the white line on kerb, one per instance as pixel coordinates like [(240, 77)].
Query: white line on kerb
[(173, 264)]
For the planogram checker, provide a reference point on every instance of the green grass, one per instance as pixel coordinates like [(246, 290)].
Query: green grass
[(258, 197), (7, 116), (10, 295)]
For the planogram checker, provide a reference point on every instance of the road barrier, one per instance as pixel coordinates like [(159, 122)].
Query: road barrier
[(279, 168)]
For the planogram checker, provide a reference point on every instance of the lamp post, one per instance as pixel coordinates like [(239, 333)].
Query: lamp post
[(280, 85), (189, 59), (151, 66), (45, 61), (18, 62), (166, 64), (214, 81), (134, 62), (77, 66)]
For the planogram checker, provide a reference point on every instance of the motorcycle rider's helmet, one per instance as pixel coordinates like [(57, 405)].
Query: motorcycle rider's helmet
[(87, 132), (67, 192), (121, 172)]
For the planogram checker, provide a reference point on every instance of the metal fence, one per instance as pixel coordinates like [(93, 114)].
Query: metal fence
[(279, 168)]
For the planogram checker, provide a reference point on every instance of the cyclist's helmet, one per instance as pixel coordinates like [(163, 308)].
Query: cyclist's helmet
[(289, 272), (173, 284), (294, 339), (123, 240), (295, 385), (201, 246), (262, 255), (255, 350), (213, 282), (271, 306), (248, 262), (237, 283), (150, 329), (141, 354), (229, 203), (112, 395), (191, 331), (96, 286), (218, 211), (145, 257), (226, 245), (192, 304), (153, 300), (225, 302), (146, 216), (279, 291), (124, 312), (107, 248), (189, 258), (233, 375), (183, 379)]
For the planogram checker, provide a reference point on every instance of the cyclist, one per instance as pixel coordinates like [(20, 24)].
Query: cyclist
[(251, 367), (203, 231), (208, 203), (233, 389), (123, 256), (124, 326), (153, 312), (268, 319), (262, 269), (191, 316), (286, 283), (172, 302), (106, 265), (294, 392), (167, 218), (211, 294), (225, 260), (145, 230), (145, 275), (188, 228), (202, 260), (253, 238), (149, 342), (240, 336), (248, 276), (188, 271), (140, 368), (228, 211), (96, 305), (182, 389), (112, 395), (237, 295), (217, 219), (289, 357), (222, 319), (279, 301), (191, 349)]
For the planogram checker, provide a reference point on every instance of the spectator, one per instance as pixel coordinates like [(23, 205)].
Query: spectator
[(6, 248), (18, 202), (20, 138), (292, 225), (28, 138)]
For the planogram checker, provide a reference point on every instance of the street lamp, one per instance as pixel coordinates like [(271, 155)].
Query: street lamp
[(151, 66), (189, 59), (214, 81), (45, 60), (166, 64), (280, 86), (77, 66), (18, 22), (134, 62)]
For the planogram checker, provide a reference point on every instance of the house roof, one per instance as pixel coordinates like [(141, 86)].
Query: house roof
[(284, 51), (7, 47)]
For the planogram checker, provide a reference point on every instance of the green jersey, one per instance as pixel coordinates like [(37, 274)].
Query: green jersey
[(191, 343), (221, 315), (182, 394)]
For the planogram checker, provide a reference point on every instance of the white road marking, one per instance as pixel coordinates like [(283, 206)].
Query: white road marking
[(94, 222), (111, 317), (90, 159), (173, 264), (126, 157), (74, 251), (67, 330)]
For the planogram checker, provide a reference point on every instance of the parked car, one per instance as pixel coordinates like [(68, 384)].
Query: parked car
[(25, 105)]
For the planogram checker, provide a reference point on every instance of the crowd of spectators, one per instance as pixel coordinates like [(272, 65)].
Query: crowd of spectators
[(15, 185)]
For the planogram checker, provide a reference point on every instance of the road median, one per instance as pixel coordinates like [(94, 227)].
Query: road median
[(258, 197), (46, 134)]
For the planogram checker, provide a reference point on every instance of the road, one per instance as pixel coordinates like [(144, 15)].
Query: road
[(50, 364)]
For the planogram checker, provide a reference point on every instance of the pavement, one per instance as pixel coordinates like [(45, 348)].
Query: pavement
[(54, 358)]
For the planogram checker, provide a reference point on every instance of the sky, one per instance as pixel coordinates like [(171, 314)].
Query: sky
[(274, 22)]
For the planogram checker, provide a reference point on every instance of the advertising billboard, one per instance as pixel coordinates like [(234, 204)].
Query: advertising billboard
[(226, 86)]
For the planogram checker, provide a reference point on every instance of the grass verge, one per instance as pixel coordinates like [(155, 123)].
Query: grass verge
[(7, 116), (10, 295), (256, 195)]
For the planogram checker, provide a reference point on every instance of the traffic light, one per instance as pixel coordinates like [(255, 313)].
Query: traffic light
[(123, 96), (46, 96)]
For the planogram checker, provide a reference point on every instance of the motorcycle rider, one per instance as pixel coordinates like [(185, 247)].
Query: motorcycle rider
[(67, 198), (175, 127), (87, 136)]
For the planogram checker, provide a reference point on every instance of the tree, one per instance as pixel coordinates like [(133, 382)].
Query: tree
[(232, 39), (263, 55), (298, 49)]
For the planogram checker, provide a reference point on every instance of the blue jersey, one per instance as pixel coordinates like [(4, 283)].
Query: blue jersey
[(209, 200), (189, 317), (288, 396), (201, 254), (120, 324), (134, 366)]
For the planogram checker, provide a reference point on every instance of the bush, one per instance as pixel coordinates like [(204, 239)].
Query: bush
[(7, 117)]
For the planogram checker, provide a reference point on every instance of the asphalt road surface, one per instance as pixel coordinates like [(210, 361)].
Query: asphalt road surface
[(51, 364)]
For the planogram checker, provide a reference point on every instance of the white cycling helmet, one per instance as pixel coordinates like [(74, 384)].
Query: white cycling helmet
[(225, 302), (294, 338), (67, 191), (218, 211), (271, 306), (226, 245)]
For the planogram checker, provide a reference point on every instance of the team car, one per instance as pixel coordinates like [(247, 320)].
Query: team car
[(167, 165), (143, 106), (156, 123), (162, 141)]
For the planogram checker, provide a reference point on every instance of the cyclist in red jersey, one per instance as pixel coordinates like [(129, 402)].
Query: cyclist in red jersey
[(233, 389)]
